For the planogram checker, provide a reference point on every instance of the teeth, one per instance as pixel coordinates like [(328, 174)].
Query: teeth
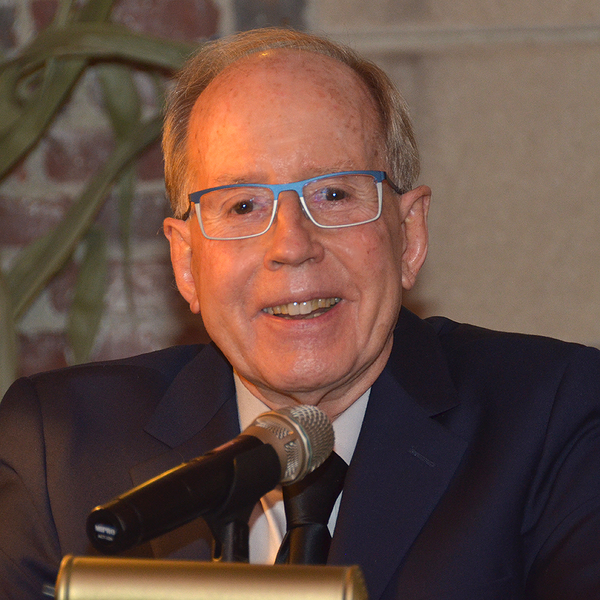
[(293, 309)]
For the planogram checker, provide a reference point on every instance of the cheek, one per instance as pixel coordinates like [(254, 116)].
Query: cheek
[(379, 254), (222, 278), (214, 300)]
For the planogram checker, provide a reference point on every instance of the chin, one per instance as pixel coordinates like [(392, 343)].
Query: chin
[(305, 383)]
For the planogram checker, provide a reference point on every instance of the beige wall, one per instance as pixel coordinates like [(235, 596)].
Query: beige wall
[(506, 102)]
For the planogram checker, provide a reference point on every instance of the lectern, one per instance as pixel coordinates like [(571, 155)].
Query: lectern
[(94, 578)]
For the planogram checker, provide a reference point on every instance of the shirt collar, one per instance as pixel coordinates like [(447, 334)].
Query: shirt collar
[(346, 425)]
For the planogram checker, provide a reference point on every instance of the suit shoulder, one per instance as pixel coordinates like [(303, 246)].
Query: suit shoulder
[(101, 384), (472, 338), (521, 356), (166, 362)]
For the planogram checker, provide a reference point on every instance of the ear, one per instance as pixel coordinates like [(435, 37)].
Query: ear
[(179, 235), (415, 208)]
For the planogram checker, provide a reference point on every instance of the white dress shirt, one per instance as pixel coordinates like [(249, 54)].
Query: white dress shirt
[(267, 523)]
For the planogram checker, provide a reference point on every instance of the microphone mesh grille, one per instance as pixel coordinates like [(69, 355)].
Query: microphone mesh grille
[(318, 430), (302, 436)]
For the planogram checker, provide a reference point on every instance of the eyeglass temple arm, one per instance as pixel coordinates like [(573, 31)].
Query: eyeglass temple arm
[(186, 215), (400, 191)]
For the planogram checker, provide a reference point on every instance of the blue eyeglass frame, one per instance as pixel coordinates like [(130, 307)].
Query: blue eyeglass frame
[(298, 187)]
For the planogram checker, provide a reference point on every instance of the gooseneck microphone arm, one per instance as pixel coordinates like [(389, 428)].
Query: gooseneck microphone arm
[(254, 474), (221, 486)]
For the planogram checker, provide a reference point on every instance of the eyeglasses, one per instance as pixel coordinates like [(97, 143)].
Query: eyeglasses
[(245, 210)]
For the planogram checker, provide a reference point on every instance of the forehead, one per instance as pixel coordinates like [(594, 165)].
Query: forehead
[(283, 72), (279, 97)]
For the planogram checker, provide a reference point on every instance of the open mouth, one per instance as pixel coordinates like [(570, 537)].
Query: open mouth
[(302, 310)]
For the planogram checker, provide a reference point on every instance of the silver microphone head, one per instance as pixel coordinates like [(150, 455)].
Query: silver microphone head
[(301, 435)]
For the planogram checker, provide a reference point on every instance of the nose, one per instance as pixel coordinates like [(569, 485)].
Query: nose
[(292, 239)]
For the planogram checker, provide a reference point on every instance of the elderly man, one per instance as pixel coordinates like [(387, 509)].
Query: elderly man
[(474, 456)]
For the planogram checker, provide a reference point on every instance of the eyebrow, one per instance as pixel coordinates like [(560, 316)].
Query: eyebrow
[(228, 179)]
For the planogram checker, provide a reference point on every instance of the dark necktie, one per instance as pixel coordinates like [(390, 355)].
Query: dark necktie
[(308, 505)]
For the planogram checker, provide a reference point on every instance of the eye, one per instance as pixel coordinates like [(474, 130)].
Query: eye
[(243, 207), (330, 194), (245, 202)]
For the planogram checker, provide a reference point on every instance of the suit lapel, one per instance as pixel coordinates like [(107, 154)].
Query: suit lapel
[(197, 413), (404, 459)]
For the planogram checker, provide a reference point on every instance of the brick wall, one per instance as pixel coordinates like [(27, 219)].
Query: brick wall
[(149, 313)]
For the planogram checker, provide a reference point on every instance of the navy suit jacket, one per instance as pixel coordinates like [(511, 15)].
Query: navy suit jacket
[(476, 474)]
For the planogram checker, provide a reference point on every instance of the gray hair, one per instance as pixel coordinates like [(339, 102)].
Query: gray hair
[(402, 156)]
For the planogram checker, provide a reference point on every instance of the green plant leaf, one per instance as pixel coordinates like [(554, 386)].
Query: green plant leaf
[(88, 302), (94, 10), (123, 105), (121, 98), (103, 41), (64, 11), (11, 72), (126, 189), (75, 45), (35, 118), (8, 339), (12, 98), (34, 267)]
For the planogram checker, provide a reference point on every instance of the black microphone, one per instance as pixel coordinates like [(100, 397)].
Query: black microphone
[(279, 447)]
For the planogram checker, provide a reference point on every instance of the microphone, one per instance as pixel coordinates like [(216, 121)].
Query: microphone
[(278, 447)]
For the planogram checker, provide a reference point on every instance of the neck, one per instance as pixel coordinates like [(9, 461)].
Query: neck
[(333, 400)]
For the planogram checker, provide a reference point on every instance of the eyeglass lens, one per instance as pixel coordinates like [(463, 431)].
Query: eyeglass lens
[(248, 210)]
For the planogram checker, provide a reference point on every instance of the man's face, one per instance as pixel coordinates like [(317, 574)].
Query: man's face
[(278, 118)]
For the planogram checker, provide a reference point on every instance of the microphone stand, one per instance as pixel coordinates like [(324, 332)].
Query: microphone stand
[(229, 524), (230, 536)]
